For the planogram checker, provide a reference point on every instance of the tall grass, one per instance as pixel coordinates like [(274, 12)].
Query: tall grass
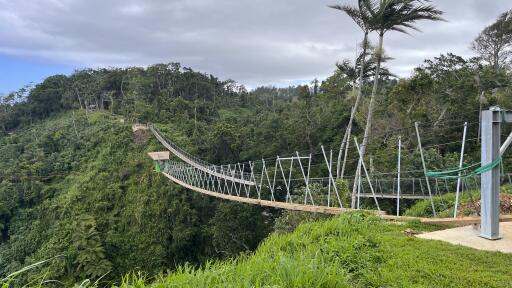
[(352, 250), (326, 255), (38, 282)]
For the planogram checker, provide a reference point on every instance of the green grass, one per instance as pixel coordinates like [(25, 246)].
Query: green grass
[(445, 204), (352, 250)]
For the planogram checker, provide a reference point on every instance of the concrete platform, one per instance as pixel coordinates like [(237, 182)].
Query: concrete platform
[(469, 236)]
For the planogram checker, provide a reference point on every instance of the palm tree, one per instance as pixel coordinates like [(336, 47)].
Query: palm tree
[(384, 16), (351, 72), (356, 13)]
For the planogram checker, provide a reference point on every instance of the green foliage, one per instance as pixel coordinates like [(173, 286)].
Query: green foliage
[(352, 250), (494, 42), (445, 204), (290, 220), (229, 237), (90, 260), (343, 190), (90, 195)]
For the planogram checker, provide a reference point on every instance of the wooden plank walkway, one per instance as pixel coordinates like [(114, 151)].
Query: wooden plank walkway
[(333, 210), (282, 205)]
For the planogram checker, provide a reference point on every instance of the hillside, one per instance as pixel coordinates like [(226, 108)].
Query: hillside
[(77, 187), (352, 250)]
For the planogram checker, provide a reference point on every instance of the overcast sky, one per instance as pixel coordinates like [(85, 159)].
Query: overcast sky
[(265, 42)]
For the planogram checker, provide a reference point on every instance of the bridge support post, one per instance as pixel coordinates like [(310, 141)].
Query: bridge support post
[(490, 180)]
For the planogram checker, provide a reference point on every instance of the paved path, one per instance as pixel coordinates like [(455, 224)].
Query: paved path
[(469, 236)]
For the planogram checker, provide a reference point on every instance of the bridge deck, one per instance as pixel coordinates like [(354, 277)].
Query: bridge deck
[(282, 205), (332, 210)]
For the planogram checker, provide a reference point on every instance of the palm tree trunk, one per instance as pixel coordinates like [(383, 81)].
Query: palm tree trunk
[(369, 118), (346, 137)]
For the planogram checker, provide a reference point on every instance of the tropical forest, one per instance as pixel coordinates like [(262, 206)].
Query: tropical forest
[(86, 202)]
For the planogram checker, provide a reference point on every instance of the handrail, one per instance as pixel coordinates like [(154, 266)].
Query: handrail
[(198, 163)]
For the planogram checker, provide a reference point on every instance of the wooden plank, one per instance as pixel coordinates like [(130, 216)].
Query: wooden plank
[(282, 205), (333, 210), (161, 155), (136, 127)]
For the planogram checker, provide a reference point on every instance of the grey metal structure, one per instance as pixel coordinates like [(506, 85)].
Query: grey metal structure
[(398, 176), (490, 180)]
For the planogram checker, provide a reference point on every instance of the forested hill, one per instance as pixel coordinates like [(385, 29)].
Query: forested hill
[(80, 188), (76, 185)]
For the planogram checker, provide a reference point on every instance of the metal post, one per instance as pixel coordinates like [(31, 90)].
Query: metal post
[(329, 194), (288, 196), (359, 193), (460, 166), (331, 179), (274, 181), (398, 176), (366, 172), (268, 181), (306, 180), (425, 168), (490, 183), (347, 142)]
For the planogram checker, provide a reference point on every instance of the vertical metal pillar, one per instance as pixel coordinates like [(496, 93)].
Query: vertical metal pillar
[(490, 180), (461, 161), (425, 169), (398, 172), (366, 172)]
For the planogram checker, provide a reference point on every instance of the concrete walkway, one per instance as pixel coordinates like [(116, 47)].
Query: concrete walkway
[(469, 236)]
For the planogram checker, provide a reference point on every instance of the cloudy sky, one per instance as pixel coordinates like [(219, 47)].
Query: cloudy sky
[(260, 42)]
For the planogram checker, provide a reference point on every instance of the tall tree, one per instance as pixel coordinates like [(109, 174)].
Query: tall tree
[(494, 43), (383, 16), (357, 15)]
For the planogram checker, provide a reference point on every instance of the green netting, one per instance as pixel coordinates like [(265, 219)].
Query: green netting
[(450, 171), (157, 167), (464, 173)]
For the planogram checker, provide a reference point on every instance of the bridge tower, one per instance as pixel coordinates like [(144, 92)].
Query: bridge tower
[(490, 180)]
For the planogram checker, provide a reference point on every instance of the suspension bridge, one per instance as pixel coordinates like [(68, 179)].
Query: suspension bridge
[(308, 181)]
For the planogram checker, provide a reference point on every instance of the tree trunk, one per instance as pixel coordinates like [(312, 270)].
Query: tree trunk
[(496, 59), (370, 116), (74, 125), (124, 105), (346, 137), (441, 116), (78, 96)]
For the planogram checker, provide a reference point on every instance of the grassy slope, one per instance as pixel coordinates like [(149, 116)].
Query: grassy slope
[(352, 250)]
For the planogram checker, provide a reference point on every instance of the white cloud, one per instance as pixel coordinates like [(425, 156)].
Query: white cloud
[(254, 42), (134, 9)]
